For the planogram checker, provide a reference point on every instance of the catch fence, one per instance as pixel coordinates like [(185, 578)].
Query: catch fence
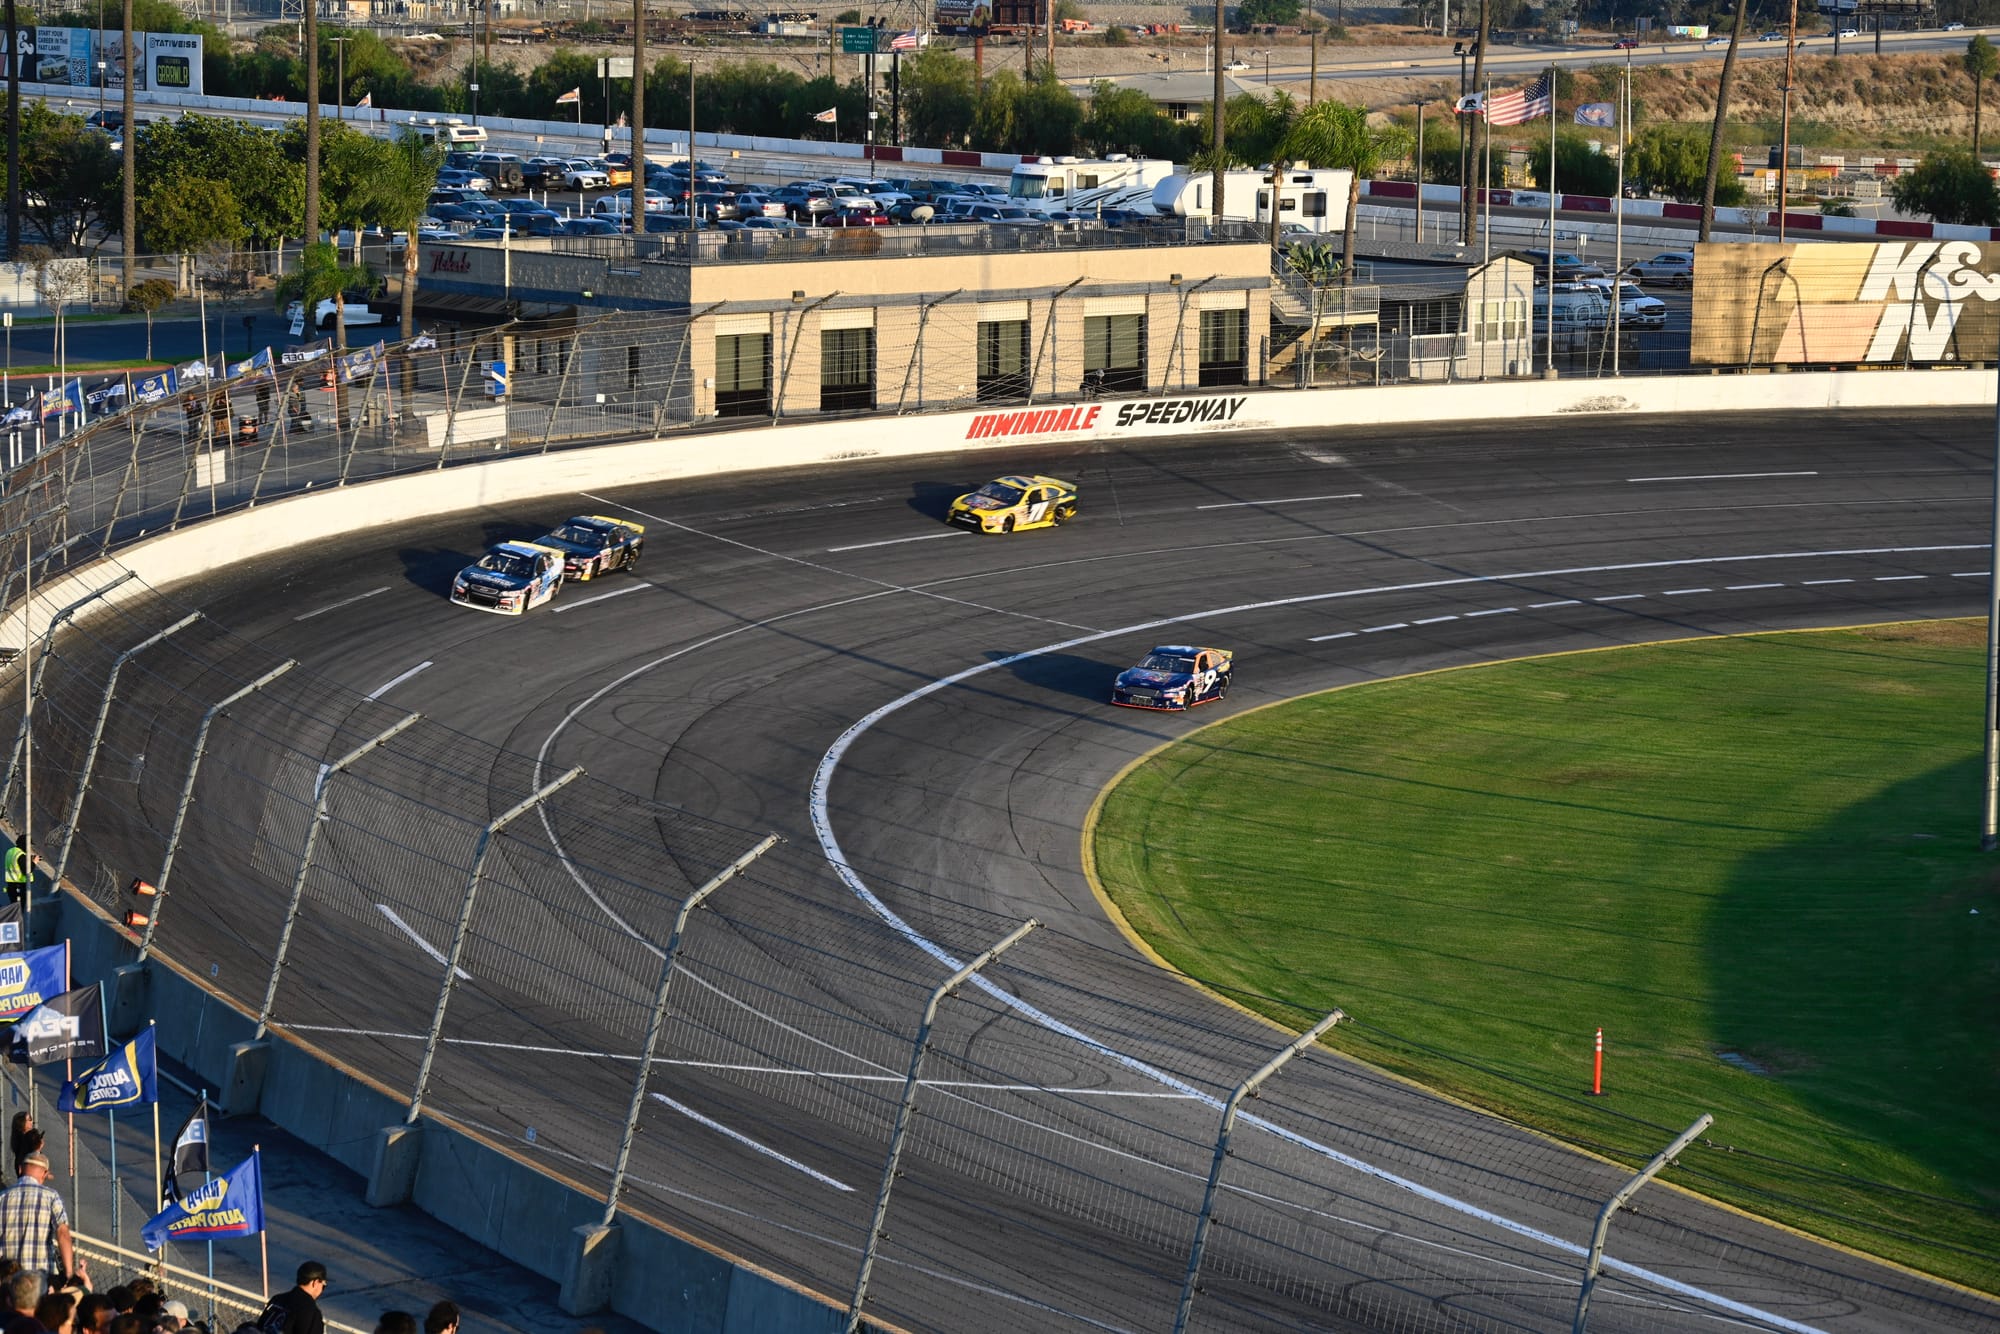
[(488, 932)]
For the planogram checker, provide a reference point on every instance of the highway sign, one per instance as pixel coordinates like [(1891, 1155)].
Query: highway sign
[(858, 41)]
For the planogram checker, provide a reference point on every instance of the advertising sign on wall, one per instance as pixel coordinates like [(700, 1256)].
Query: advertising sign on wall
[(1880, 302), (168, 61)]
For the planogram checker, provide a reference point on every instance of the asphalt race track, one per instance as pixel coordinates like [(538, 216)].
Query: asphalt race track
[(775, 665)]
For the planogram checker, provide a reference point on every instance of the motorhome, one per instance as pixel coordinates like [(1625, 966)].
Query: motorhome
[(1085, 185), (1313, 200), (450, 133)]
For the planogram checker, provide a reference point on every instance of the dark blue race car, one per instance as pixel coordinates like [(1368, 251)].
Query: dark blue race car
[(1175, 676)]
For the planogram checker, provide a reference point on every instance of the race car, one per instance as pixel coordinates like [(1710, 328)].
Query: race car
[(1175, 676), (592, 544), (1010, 503), (509, 579)]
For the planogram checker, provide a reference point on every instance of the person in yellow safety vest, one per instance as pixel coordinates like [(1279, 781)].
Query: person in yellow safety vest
[(20, 871)]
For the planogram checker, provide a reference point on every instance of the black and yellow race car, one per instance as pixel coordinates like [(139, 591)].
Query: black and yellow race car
[(1009, 504), (592, 544)]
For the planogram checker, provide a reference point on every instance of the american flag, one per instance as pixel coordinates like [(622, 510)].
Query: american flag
[(906, 41), (1521, 104)]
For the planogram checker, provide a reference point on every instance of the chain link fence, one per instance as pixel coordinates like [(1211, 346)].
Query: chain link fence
[(482, 930)]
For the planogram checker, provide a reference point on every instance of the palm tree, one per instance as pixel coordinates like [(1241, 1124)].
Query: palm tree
[(403, 192), (1336, 134), (311, 57), (1721, 115), (1981, 62), (322, 276), (130, 165)]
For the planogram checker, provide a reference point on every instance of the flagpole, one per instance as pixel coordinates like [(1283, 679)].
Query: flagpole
[(263, 1233), (154, 1025), (111, 1121), (1486, 234), (208, 1175), (69, 1072), (1618, 226), (1549, 358)]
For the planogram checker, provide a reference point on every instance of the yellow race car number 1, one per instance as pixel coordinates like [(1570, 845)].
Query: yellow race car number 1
[(1009, 504)]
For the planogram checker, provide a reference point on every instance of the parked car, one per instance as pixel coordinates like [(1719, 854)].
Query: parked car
[(804, 202), (543, 173), (1849, 32), (581, 174), (1568, 268), (356, 313), (588, 227), (783, 227), (522, 208), (911, 210), (465, 180), (1625, 44), (1671, 268), (1572, 309), (711, 204), (503, 169), (1636, 310), (457, 215), (754, 205), (855, 215)]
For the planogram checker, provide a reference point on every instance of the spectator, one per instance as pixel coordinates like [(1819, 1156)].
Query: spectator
[(23, 1291), (34, 1226), (56, 1312), (121, 1298), (294, 1311), (443, 1319), (139, 1288), (174, 1316), (17, 1134), (93, 1313), (149, 1309), (396, 1322), (126, 1324), (31, 1143)]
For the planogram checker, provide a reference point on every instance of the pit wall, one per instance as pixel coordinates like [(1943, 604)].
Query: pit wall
[(524, 1209)]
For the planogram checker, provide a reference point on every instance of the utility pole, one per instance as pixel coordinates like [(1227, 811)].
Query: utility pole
[(1216, 139), (638, 209)]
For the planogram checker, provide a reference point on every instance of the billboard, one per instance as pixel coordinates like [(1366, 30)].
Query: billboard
[(1847, 303), (168, 61), (975, 18)]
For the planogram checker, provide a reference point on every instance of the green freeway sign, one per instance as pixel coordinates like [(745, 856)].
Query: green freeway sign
[(858, 41)]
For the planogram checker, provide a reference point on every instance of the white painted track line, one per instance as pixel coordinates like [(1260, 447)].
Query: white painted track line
[(562, 607), (395, 681), (748, 1143), (1287, 500), (336, 606), (898, 541), (396, 921), (1720, 476)]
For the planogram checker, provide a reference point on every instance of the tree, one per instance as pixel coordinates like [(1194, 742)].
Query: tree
[(1668, 158), (311, 58), (1711, 171), (69, 180), (322, 276), (995, 122), (1125, 120), (1981, 63), (1335, 134), (1256, 13), (265, 173), (1048, 117), (403, 190), (189, 213), (1952, 187), (148, 297), (128, 161), (1580, 169), (940, 101)]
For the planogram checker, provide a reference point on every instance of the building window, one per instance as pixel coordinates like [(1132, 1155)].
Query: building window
[(846, 370), (743, 375), (1224, 347), (1499, 321), (632, 370), (1315, 203), (1003, 360), (1116, 346)]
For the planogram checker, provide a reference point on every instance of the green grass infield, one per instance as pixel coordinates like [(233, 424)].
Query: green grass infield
[(1753, 862)]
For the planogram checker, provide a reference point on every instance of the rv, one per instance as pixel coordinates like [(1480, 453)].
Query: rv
[(454, 134), (1309, 200), (1085, 185)]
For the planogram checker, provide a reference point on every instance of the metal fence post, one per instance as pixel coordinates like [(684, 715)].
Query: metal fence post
[(1048, 332), (658, 1021), (187, 797), (453, 401), (1243, 1090), (125, 480), (97, 735), (487, 836), (306, 859), (1611, 1206), (570, 359), (41, 669), (906, 1107)]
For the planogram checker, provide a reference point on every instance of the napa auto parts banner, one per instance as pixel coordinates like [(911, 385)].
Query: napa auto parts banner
[(168, 61), (1846, 303)]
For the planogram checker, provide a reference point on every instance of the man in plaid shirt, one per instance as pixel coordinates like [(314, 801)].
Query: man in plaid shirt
[(34, 1226)]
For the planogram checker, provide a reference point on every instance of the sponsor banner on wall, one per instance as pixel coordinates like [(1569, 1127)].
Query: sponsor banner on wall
[(1846, 303), (168, 61)]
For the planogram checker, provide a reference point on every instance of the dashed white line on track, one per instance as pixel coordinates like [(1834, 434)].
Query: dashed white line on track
[(395, 681), (601, 597), (898, 541), (1321, 639), (396, 920), (1378, 629), (1720, 476), (748, 1143), (336, 606), (1817, 583), (1566, 602), (1435, 620), (1491, 611), (1621, 597), (1744, 588), (1255, 504), (1898, 578), (1683, 592)]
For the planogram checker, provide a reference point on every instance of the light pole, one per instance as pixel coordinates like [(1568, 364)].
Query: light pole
[(1422, 102), (472, 84), (340, 76), (100, 94), (1465, 51)]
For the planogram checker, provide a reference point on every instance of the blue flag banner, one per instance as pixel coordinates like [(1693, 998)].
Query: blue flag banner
[(157, 388), (194, 370), (1603, 115), (30, 979), (252, 367), (102, 396), (69, 398), (232, 1205), (127, 1077), (356, 365)]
